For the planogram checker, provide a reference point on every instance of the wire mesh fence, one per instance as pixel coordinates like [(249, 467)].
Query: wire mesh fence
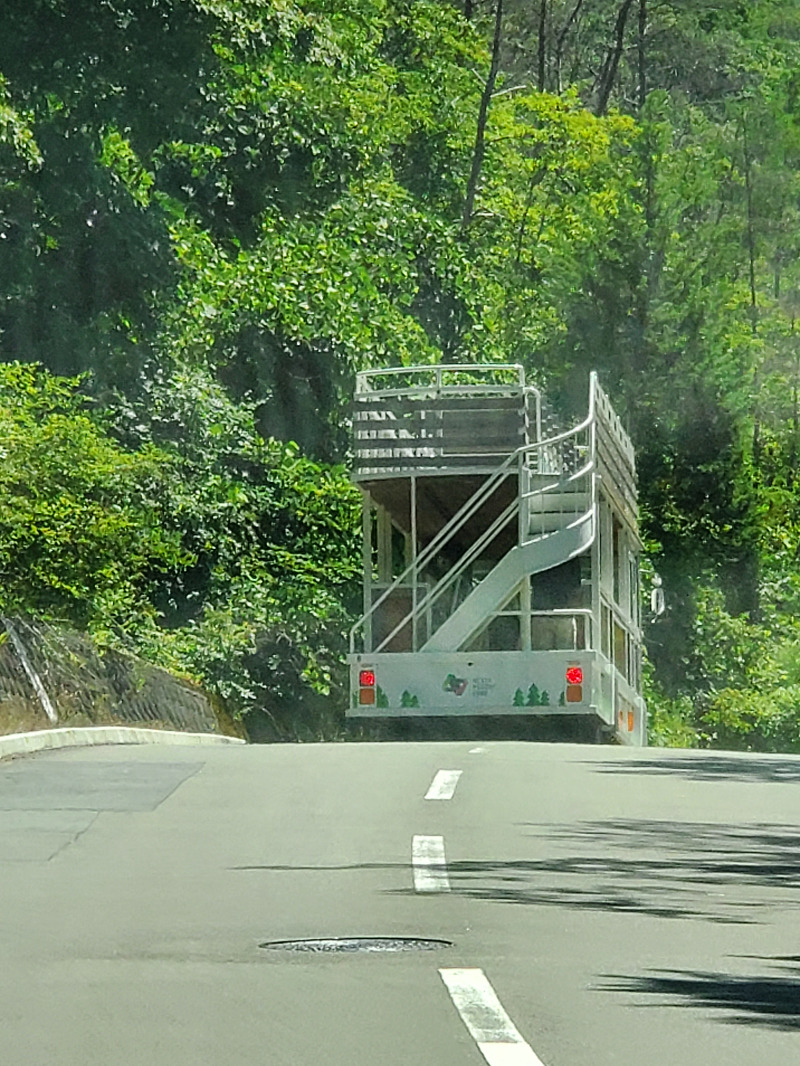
[(52, 675)]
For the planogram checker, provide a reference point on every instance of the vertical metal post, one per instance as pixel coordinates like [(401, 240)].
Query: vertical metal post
[(384, 546), (597, 564), (523, 531), (596, 635), (414, 575), (524, 519), (366, 557), (525, 613), (30, 672)]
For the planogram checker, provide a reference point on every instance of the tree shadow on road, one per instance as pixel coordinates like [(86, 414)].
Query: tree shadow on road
[(716, 873), (769, 1001), (703, 766), (700, 871), (694, 853)]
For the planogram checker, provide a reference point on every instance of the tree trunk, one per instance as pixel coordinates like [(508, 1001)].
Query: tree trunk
[(751, 240), (608, 75), (542, 58), (561, 41), (751, 264), (795, 410), (537, 176), (483, 114), (641, 54)]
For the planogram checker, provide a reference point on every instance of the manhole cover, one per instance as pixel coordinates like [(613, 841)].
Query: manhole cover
[(358, 943)]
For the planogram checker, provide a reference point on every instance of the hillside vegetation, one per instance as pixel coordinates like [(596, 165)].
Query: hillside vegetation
[(213, 212)]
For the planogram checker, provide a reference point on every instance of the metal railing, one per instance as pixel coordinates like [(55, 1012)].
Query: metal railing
[(469, 416), (443, 377), (412, 572), (425, 606)]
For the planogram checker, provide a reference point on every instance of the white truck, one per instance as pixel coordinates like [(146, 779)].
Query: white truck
[(501, 557)]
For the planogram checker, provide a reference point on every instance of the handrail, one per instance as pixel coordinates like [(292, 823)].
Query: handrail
[(584, 470), (573, 614), (477, 500), (559, 612), (475, 549), (444, 583)]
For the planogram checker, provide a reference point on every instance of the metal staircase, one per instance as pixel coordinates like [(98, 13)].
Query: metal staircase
[(550, 520), (489, 594)]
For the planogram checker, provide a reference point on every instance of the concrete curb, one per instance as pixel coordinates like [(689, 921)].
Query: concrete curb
[(42, 739)]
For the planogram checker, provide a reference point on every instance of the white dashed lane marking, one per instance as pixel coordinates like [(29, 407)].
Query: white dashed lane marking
[(443, 785), (498, 1039), (429, 864)]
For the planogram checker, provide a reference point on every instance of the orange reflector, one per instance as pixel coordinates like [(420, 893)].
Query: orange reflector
[(366, 696), (574, 693), (366, 678), (630, 721), (574, 675)]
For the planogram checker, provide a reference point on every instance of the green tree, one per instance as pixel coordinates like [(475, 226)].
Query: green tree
[(80, 532)]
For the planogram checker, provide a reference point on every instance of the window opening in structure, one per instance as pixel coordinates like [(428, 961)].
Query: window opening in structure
[(621, 650), (616, 552), (635, 605), (605, 631)]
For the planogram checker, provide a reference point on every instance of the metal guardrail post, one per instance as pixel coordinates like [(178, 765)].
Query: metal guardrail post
[(30, 672)]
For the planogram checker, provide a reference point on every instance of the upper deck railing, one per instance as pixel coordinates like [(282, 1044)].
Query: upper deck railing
[(441, 377), (616, 461), (444, 418)]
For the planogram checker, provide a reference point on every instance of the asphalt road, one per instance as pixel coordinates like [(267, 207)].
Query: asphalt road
[(605, 906)]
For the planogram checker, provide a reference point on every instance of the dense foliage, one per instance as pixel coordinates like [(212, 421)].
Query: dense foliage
[(212, 212), (199, 545)]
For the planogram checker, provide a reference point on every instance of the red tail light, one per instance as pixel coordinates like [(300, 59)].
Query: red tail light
[(574, 689)]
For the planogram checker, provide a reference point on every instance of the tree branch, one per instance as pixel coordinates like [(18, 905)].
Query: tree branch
[(562, 38), (483, 114), (608, 74), (641, 54)]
